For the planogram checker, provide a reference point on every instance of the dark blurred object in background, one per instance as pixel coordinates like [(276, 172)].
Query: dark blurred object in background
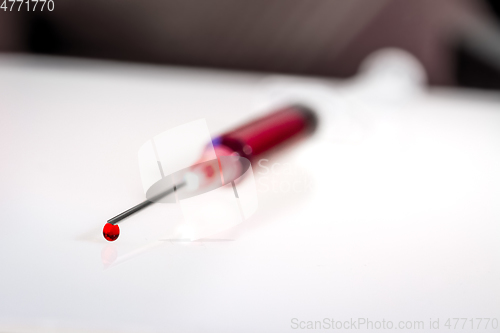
[(472, 70), (309, 37)]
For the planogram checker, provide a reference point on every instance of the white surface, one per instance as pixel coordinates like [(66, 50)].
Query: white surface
[(390, 212)]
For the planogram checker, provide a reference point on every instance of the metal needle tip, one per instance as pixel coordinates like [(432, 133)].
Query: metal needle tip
[(144, 204)]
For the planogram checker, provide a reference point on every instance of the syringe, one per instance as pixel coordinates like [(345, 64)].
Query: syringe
[(234, 151)]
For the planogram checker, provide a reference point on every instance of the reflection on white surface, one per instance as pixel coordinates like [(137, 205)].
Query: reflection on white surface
[(109, 254), (110, 257)]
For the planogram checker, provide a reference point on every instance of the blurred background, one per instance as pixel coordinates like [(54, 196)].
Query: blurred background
[(457, 41)]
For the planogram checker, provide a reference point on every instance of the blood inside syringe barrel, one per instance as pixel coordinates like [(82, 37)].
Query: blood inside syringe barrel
[(235, 150), (265, 133)]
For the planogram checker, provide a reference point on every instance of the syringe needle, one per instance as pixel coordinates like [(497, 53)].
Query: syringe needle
[(145, 203), (129, 212)]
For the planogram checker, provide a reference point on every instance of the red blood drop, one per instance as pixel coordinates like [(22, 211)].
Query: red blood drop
[(111, 231)]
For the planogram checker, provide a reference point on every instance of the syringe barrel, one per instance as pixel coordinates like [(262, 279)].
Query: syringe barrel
[(272, 130)]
